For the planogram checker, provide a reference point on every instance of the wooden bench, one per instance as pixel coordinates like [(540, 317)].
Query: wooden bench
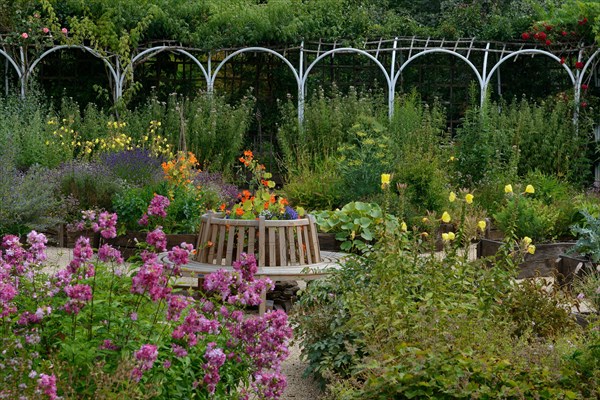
[(284, 249)]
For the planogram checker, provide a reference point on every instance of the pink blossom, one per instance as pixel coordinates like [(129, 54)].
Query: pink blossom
[(45, 30), (47, 384), (215, 358), (78, 295), (107, 344), (24, 35), (37, 245), (158, 206), (157, 238), (107, 253), (176, 304), (144, 220), (147, 354), (64, 30), (179, 351)]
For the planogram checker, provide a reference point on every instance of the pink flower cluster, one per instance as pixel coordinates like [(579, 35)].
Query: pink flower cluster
[(16, 263), (157, 208), (193, 324), (240, 287), (146, 357), (103, 222), (151, 278), (107, 253), (47, 385), (79, 295), (157, 238), (215, 358)]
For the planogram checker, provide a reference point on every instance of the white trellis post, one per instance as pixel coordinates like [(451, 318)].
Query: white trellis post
[(392, 85), (301, 88)]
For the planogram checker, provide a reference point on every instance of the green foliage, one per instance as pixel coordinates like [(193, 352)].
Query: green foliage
[(357, 224), (588, 237), (523, 137), (27, 200), (543, 216), (400, 323), (205, 125)]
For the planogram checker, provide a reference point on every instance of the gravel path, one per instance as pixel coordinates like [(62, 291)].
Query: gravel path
[(293, 368)]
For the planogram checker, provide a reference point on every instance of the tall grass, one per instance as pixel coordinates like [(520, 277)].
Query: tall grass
[(518, 137)]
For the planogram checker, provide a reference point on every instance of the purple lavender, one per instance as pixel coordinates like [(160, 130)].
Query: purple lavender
[(290, 213), (227, 192), (137, 166)]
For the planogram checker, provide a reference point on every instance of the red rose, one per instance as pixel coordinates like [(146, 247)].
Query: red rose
[(579, 65), (548, 42), (583, 21), (542, 36), (562, 60), (564, 33), (584, 87), (583, 104), (525, 36), (548, 28)]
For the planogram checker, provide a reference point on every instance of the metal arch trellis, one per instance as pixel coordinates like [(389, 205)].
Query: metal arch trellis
[(113, 71), (415, 50)]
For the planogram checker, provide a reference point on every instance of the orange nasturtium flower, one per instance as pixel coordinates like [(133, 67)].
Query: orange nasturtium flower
[(239, 212), (248, 153), (222, 207)]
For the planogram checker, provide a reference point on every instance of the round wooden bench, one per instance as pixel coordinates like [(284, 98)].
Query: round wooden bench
[(284, 249)]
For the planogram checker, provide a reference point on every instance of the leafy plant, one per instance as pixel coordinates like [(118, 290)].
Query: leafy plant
[(357, 224), (588, 237)]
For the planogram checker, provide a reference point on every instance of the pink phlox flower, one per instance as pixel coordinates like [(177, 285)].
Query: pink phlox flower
[(107, 225), (179, 255), (147, 354), (144, 220), (178, 350), (37, 246), (78, 295), (158, 206), (47, 384), (215, 358), (157, 238), (82, 250), (107, 344), (269, 384), (266, 339), (107, 253), (247, 266), (176, 305)]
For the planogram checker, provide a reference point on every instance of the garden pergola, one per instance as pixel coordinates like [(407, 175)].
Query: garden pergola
[(402, 51)]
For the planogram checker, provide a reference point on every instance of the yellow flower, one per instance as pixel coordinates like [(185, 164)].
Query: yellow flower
[(529, 189), (424, 234), (446, 237), (452, 197), (403, 226), (425, 220), (385, 179), (527, 240), (531, 249), (508, 188), (452, 158), (481, 225), (446, 217), (469, 198)]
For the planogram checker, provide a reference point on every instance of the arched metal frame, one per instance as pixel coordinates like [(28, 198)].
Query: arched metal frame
[(113, 71), (118, 74)]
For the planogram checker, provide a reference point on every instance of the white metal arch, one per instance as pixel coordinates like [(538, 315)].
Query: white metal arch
[(344, 50), (254, 49), (13, 63), (588, 63), (93, 52), (159, 49), (480, 79), (304, 78), (527, 51)]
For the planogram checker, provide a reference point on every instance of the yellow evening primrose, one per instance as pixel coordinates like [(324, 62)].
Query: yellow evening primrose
[(529, 189), (451, 236), (481, 225), (508, 188), (403, 226), (527, 240), (452, 197), (469, 198), (446, 217), (531, 249), (445, 237), (425, 220), (385, 179)]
